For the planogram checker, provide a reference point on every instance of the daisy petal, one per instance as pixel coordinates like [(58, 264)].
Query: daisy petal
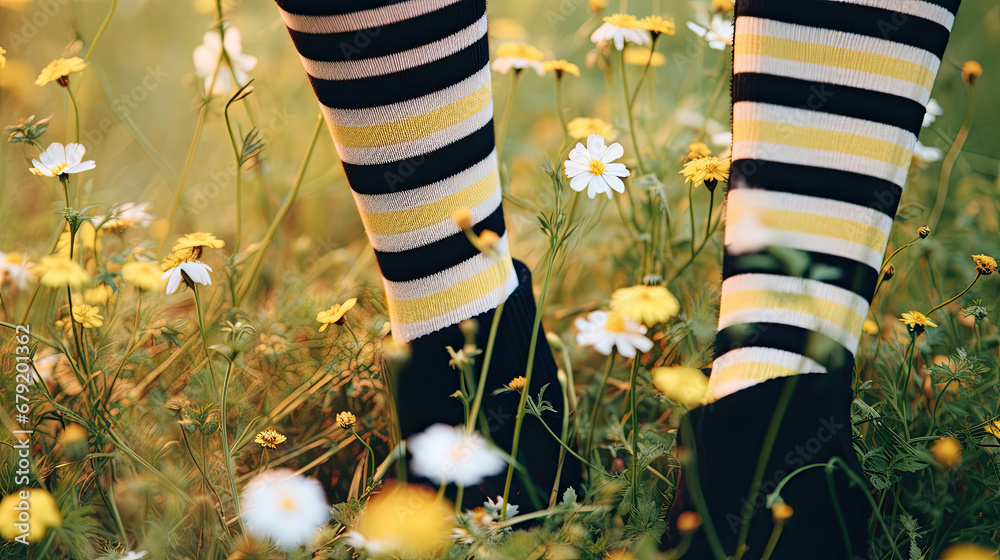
[(613, 152)]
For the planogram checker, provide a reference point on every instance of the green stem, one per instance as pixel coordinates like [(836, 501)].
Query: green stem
[(566, 447), (960, 294), (227, 457), (487, 358), (773, 541), (239, 172), (208, 483), (633, 404), (598, 398), (114, 507), (561, 113), (505, 117), (708, 223), (371, 459), (527, 377), (76, 119), (258, 257), (201, 329), (691, 210), (458, 499), (765, 455), (631, 117), (949, 161), (100, 30)]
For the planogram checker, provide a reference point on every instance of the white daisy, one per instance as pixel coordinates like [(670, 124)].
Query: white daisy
[(494, 509), (206, 56), (927, 154), (358, 542), (284, 507), (618, 29), (191, 272), (933, 111), (132, 555), (591, 168), (58, 160), (719, 32), (605, 331), (444, 454), (517, 56), (17, 268), (127, 215)]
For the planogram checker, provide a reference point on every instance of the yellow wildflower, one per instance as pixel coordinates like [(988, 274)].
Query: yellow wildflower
[(517, 383), (405, 521), (657, 25), (269, 438), (44, 513), (597, 6), (561, 67), (195, 242), (985, 264), (870, 327), (463, 218), (143, 275), (708, 170), (57, 271), (993, 428), (87, 315), (345, 420), (518, 50), (698, 150), (681, 384), (916, 321), (506, 29), (488, 239), (59, 70), (640, 56), (947, 451), (583, 127), (968, 551), (625, 21), (335, 314), (971, 70), (647, 304), (688, 521), (782, 511), (98, 295), (720, 6), (177, 257)]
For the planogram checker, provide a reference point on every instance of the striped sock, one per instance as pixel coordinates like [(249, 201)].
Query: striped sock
[(828, 98), (405, 88)]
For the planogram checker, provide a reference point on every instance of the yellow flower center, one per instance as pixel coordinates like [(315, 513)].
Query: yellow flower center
[(287, 503), (58, 169), (596, 167), (616, 323)]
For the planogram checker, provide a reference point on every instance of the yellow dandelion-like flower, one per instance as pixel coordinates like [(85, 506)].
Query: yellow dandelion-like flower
[(561, 67), (968, 551), (647, 304), (916, 321), (993, 428), (597, 6), (176, 258), (88, 316), (98, 295), (335, 314), (346, 420), (196, 241), (971, 70), (44, 514), (720, 6), (143, 275), (625, 21), (57, 271), (698, 150), (706, 170), (269, 438), (657, 25), (947, 451), (640, 56), (583, 127), (681, 384), (519, 50), (870, 327), (506, 29), (985, 264), (59, 70), (517, 383)]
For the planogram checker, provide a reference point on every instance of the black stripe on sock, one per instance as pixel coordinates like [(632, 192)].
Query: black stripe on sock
[(391, 38), (422, 170), (819, 347), (821, 182), (853, 18), (437, 256), (406, 84), (853, 276), (846, 101)]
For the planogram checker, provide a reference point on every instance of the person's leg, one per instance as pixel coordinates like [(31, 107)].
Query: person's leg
[(828, 98), (405, 88)]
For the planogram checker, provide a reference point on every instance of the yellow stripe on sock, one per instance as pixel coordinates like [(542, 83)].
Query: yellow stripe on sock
[(413, 128), (837, 314), (826, 140), (837, 57), (452, 297), (815, 224), (403, 221)]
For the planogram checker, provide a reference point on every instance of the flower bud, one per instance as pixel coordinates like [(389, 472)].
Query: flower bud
[(924, 231), (782, 511), (888, 272), (971, 71), (463, 218), (688, 521), (489, 239)]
